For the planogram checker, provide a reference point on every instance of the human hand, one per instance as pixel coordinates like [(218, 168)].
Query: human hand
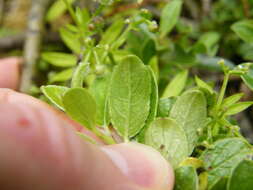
[(40, 151)]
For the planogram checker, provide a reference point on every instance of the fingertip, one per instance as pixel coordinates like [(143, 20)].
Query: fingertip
[(142, 164), (10, 72)]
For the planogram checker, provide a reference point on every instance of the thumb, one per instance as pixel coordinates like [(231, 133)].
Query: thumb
[(39, 150), (9, 72)]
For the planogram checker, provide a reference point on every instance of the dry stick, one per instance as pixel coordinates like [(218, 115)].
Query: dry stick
[(206, 7), (17, 40), (33, 42), (1, 10)]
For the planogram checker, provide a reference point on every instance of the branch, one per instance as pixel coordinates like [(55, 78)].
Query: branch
[(33, 41), (17, 41), (1, 10), (206, 7)]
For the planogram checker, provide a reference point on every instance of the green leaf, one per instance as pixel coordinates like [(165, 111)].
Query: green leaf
[(71, 40), (207, 43), (176, 86), (148, 50), (54, 94), (190, 112), (153, 98), (59, 59), (238, 107), (99, 89), (248, 78), (169, 17), (166, 136), (165, 106), (113, 32), (221, 184), (129, 100), (229, 101), (61, 76), (186, 178), (80, 106), (81, 71), (153, 63), (57, 9), (202, 84), (242, 176), (225, 154), (244, 29)]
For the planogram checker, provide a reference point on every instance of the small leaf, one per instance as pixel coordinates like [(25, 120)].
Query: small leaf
[(62, 76), (225, 154), (129, 99), (169, 17), (248, 78), (207, 43), (81, 71), (153, 98), (186, 178), (202, 84), (238, 107), (113, 32), (190, 112), (165, 106), (221, 184), (54, 94), (244, 29), (242, 176), (99, 89), (166, 136), (176, 86), (71, 40), (57, 9), (148, 50), (229, 101), (80, 106), (59, 59)]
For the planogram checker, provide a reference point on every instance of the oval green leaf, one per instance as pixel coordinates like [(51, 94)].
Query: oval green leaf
[(169, 17), (80, 106), (99, 89), (242, 176), (54, 94), (190, 111), (225, 154), (129, 99), (244, 29), (176, 86), (166, 136), (186, 178)]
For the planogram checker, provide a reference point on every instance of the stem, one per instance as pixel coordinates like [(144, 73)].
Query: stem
[(71, 11), (223, 90), (121, 39), (81, 71), (33, 41), (107, 139), (79, 25)]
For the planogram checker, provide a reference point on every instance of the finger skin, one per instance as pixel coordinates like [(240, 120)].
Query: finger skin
[(39, 149), (7, 95), (10, 72)]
